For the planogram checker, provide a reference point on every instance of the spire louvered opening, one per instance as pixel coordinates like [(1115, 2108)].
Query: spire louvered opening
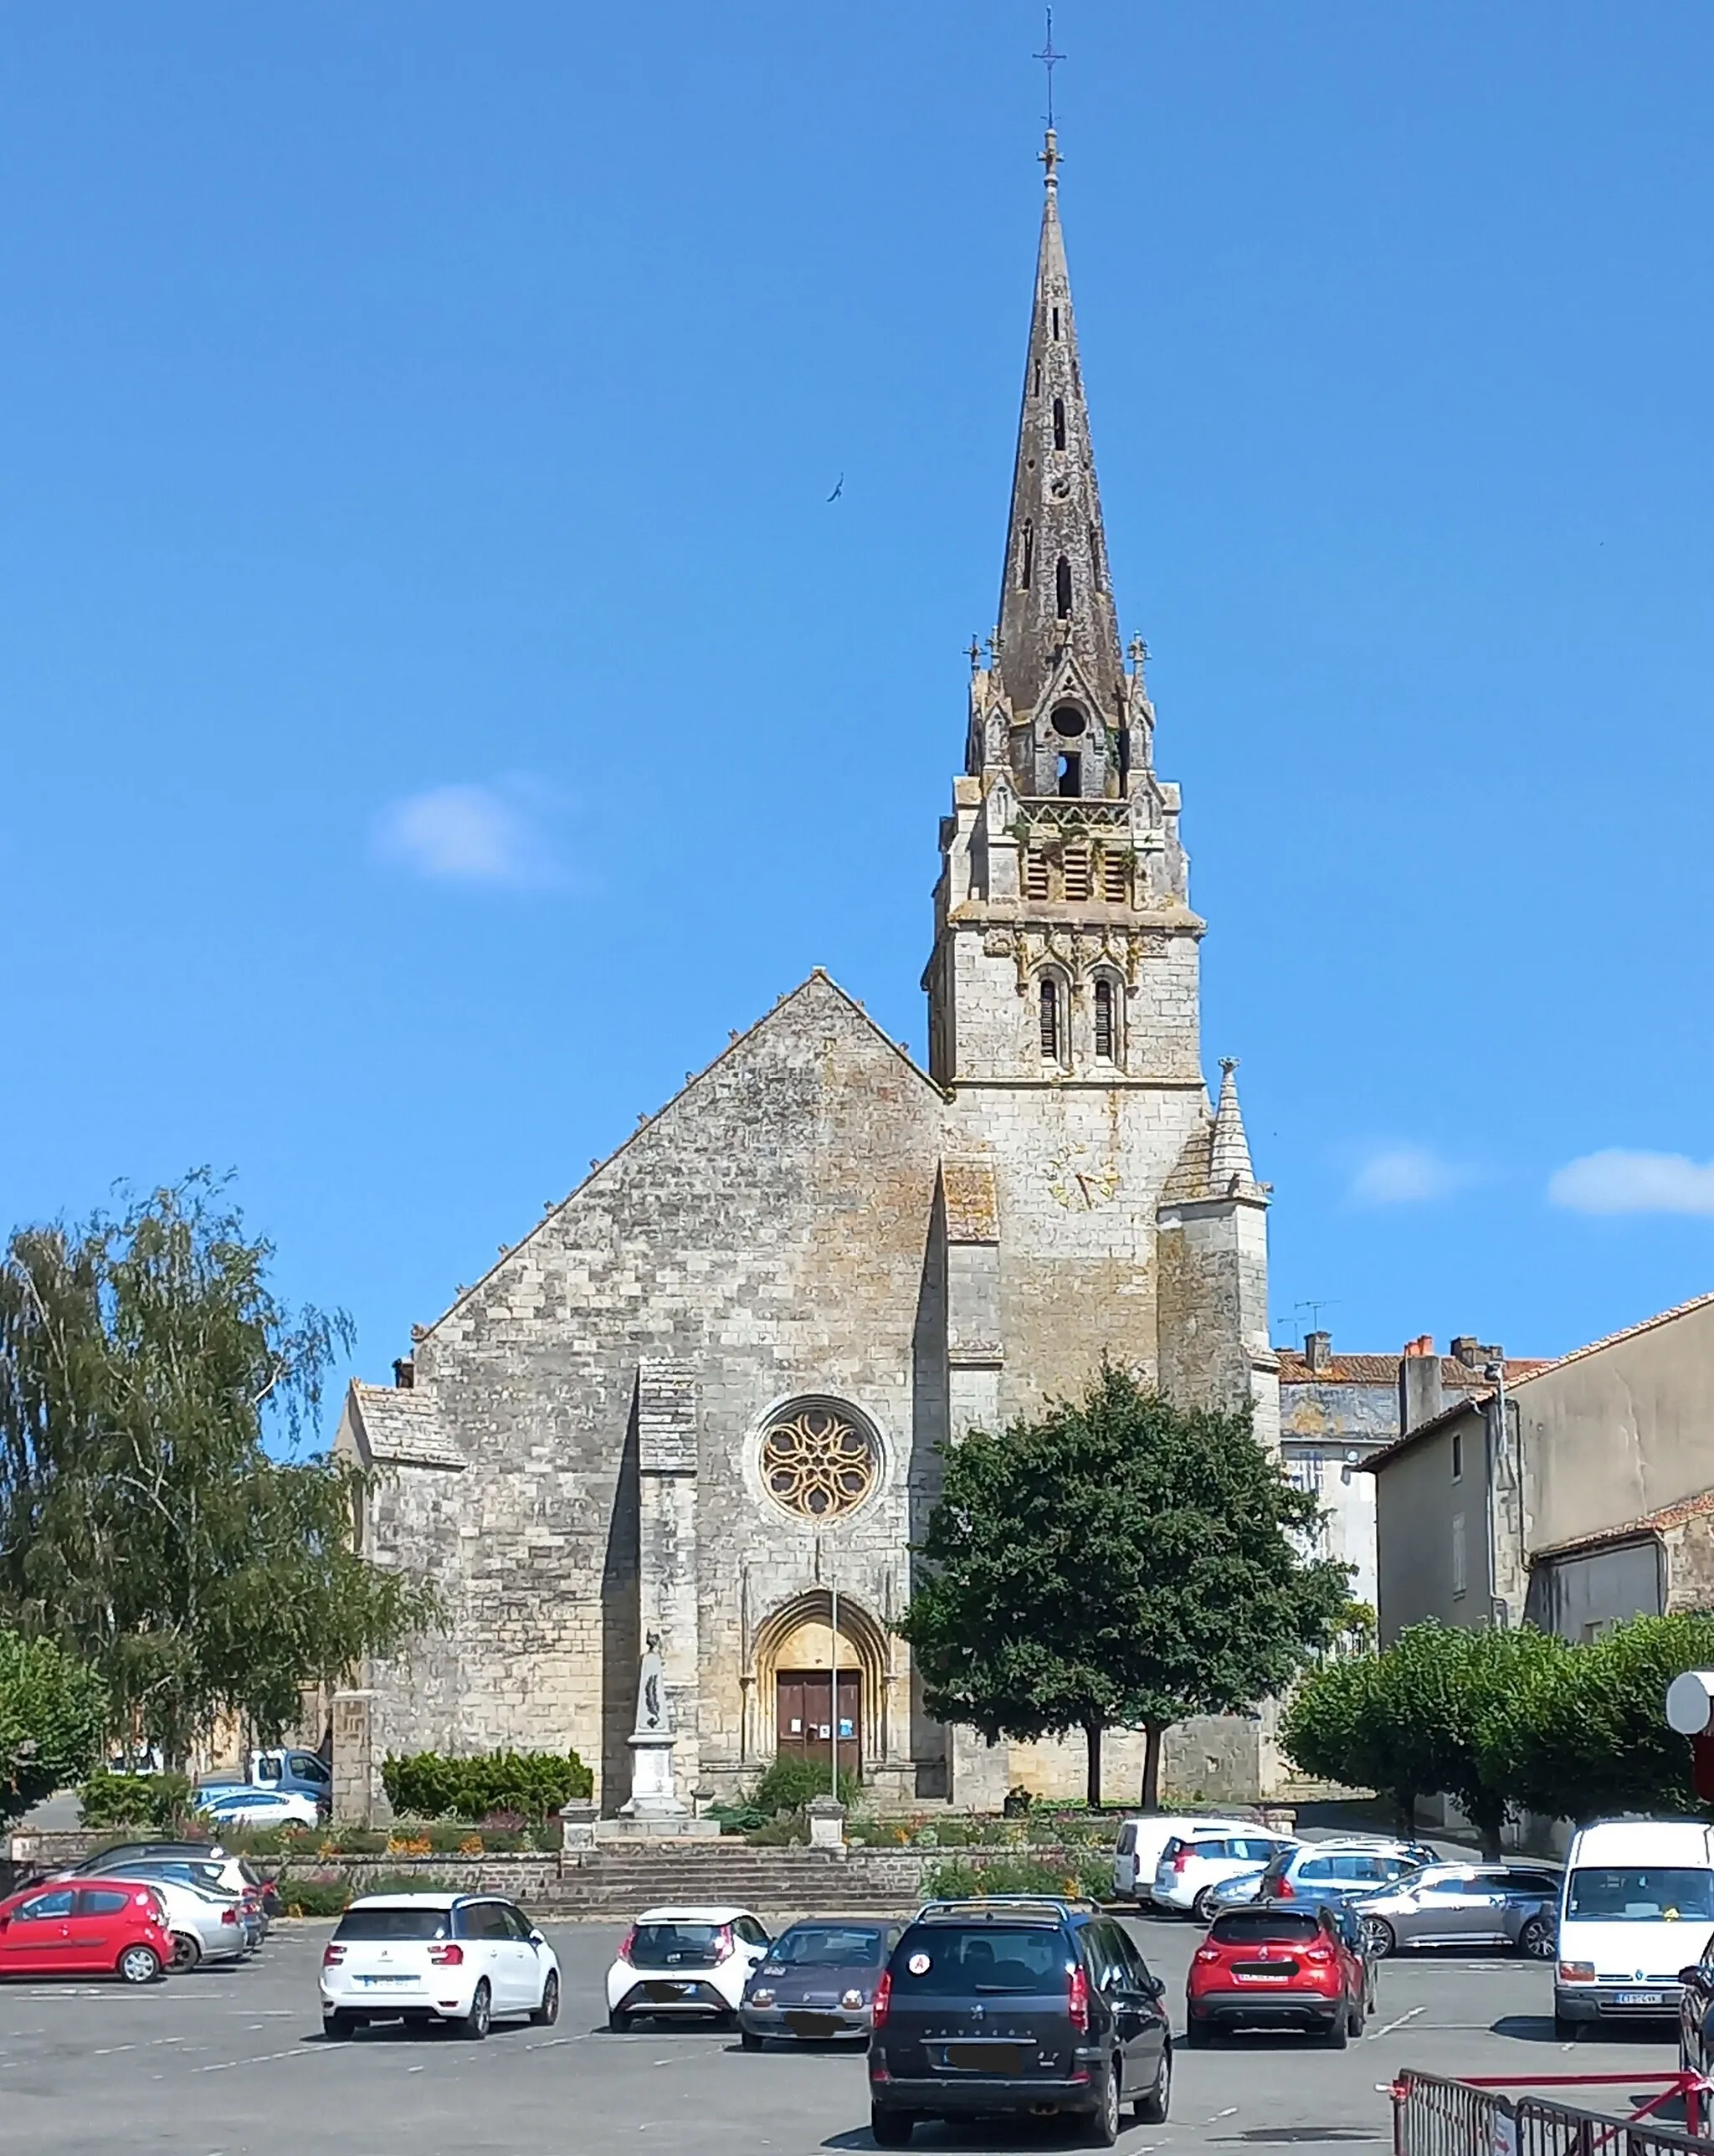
[(1026, 556), (1059, 423), (1062, 588)]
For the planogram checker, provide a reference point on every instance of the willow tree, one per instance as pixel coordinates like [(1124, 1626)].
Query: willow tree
[(162, 1514), (1119, 1562)]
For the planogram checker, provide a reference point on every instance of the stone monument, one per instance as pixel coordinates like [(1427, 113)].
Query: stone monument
[(654, 1795)]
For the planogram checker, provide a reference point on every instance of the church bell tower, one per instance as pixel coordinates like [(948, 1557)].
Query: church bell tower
[(1063, 986)]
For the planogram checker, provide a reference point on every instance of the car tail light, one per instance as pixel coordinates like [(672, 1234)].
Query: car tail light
[(1208, 1953), (447, 1953), (723, 1948), (883, 1998), (332, 1956), (1077, 2001), (1317, 1954), (1181, 1860), (1285, 1891), (228, 1916), (627, 1943)]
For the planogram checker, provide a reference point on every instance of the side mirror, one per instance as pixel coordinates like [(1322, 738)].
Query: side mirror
[(537, 1939), (1155, 1989)]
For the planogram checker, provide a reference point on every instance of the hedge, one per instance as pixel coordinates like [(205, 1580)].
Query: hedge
[(429, 1785), (160, 1801), (793, 1780)]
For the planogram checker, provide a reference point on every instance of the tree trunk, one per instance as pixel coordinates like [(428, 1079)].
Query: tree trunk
[(1092, 1743), (1153, 1734)]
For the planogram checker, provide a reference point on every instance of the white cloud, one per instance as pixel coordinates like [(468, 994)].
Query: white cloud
[(494, 835), (1616, 1181), (1405, 1175)]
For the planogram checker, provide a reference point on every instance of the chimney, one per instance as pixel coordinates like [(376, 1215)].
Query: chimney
[(404, 1373), (1467, 1349), (1419, 1397), (1318, 1352)]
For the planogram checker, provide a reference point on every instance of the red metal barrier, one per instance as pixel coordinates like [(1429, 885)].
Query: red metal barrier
[(1433, 2116)]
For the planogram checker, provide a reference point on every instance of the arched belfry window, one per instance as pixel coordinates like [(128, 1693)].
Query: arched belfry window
[(1108, 1020), (1052, 1019), (1059, 423), (1062, 592)]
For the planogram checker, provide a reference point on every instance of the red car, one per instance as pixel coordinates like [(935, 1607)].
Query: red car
[(1277, 1965), (73, 1927)]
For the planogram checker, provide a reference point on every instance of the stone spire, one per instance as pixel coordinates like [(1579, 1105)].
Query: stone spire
[(1056, 602), (1230, 1174)]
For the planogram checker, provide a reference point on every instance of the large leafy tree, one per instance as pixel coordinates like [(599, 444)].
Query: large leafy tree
[(1414, 1720), (1585, 1733), (144, 1522), (1121, 1562), (53, 1719)]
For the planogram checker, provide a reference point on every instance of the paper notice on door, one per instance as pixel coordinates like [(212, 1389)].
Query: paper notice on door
[(797, 1726), (847, 1726)]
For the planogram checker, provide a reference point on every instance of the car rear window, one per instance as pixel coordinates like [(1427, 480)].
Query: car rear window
[(676, 1945), (1254, 1927), (828, 1946), (394, 1924), (987, 1957)]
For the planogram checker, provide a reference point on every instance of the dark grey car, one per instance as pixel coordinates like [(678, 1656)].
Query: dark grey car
[(1512, 1906), (816, 1981)]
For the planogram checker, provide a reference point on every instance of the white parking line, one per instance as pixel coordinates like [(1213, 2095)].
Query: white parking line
[(1371, 2034)]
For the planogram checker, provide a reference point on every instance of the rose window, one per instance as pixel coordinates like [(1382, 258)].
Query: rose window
[(818, 1460)]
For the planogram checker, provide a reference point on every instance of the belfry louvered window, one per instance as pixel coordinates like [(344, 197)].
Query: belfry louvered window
[(1035, 873), (1051, 1027), (1115, 879), (1076, 872)]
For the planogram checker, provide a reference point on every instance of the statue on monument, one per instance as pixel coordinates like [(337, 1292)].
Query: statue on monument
[(652, 1716)]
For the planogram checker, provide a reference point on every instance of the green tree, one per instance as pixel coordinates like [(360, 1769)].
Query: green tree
[(1585, 1733), (53, 1719), (1121, 1562), (143, 1522), (1411, 1720)]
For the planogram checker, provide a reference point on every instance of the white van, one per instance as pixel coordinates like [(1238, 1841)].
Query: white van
[(1137, 1851), (1638, 1906)]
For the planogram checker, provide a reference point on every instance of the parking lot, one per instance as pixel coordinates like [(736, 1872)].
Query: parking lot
[(231, 2060)]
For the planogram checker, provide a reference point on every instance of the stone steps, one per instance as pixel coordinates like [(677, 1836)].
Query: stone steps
[(619, 1882)]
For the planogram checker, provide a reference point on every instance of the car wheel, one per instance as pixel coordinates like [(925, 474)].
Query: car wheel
[(138, 1965), (1565, 2029), (1203, 1908), (1536, 1939), (186, 1953), (1337, 2031), (749, 2040), (1199, 2035), (889, 2128), (1152, 2109), (338, 2025), (479, 2019), (1101, 2128), (547, 2013), (1378, 1938), (618, 2021)]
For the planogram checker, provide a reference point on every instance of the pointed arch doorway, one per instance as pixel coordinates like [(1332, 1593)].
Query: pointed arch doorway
[(794, 1666)]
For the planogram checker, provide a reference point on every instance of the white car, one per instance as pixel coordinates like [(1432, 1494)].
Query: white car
[(1194, 1865), (464, 1958), (683, 1961), (1142, 1839), (247, 1807)]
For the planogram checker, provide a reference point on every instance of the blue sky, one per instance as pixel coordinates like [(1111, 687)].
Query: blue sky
[(439, 702)]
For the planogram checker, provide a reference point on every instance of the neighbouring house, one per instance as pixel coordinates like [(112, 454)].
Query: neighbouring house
[(1574, 1495), (1337, 1412)]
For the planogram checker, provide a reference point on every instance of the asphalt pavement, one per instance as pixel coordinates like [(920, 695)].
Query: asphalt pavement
[(225, 2061)]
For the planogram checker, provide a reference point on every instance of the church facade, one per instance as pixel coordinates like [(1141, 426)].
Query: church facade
[(706, 1396)]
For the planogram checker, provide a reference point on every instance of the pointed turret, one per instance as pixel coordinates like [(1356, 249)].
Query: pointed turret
[(1230, 1174), (1059, 635)]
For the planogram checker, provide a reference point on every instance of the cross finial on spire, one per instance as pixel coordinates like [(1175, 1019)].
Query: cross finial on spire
[(1049, 60)]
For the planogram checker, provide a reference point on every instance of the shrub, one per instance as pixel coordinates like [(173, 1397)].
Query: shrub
[(429, 1785), (315, 1897), (962, 1876), (160, 1801), (793, 1781)]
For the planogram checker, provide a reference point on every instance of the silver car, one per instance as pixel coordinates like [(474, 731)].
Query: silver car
[(1513, 1905)]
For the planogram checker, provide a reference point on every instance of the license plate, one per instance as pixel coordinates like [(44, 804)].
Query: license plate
[(1640, 1998), (667, 1990), (985, 2058), (386, 1979), (812, 2025)]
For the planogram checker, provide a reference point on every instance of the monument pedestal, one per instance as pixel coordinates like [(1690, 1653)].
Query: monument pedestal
[(653, 1796)]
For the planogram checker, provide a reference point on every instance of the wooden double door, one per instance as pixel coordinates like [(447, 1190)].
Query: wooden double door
[(803, 1709)]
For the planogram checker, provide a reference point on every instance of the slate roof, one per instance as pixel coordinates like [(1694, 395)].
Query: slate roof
[(400, 1427)]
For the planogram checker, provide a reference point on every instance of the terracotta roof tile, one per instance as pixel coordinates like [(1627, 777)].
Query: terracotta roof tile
[(1669, 1516)]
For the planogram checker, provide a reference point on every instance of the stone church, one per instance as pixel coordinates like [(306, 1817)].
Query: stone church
[(704, 1396)]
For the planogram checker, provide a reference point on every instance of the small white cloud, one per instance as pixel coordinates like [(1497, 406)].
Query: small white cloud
[(1616, 1181), (1405, 1175), (494, 835)]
